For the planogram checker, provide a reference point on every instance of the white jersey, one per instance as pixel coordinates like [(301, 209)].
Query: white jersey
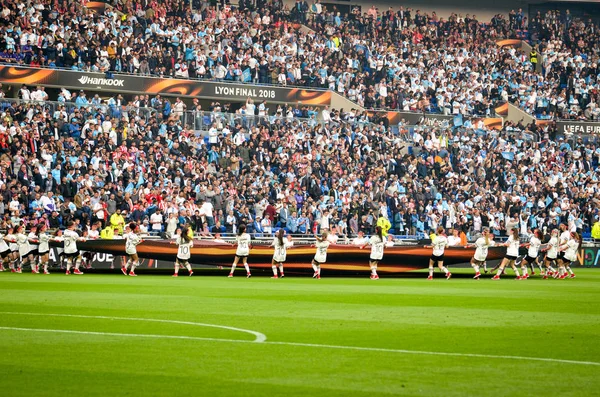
[(243, 245), (184, 248), (32, 236), (70, 238), (439, 243), (377, 246), (280, 250), (481, 248), (571, 251), (534, 247), (23, 244), (44, 238), (321, 254), (13, 242), (131, 242), (3, 245), (552, 252), (513, 246), (564, 238)]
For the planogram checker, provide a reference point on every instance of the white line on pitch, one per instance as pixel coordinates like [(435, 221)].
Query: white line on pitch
[(259, 337), (296, 344)]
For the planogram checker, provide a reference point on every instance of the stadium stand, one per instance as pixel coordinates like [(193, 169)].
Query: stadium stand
[(78, 158)]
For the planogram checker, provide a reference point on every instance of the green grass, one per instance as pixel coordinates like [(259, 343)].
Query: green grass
[(534, 318)]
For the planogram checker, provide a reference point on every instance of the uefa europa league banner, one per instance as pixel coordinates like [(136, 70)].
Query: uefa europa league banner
[(566, 127), (156, 85)]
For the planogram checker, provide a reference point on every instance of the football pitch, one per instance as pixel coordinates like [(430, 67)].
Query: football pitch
[(111, 335)]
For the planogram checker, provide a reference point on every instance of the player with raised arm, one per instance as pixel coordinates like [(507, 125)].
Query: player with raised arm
[(439, 244), (184, 243), (482, 245), (132, 239), (280, 252), (377, 243), (242, 251), (512, 252), (320, 258)]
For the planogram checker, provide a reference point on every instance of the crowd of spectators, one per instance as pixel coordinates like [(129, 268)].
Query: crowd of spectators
[(400, 59), (88, 164)]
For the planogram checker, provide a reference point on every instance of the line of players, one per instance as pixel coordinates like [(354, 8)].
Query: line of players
[(560, 251), (18, 249)]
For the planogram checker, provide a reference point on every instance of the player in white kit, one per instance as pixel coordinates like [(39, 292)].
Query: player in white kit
[(43, 239), (562, 247), (321, 255), (242, 251), (535, 243), (33, 255), (70, 238), (377, 243), (4, 253), (184, 247), (512, 252), (551, 251), (11, 240), (439, 244), (570, 248), (280, 252), (132, 239), (482, 245), (22, 241)]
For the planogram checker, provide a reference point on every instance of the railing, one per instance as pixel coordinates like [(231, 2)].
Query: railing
[(201, 120), (69, 107)]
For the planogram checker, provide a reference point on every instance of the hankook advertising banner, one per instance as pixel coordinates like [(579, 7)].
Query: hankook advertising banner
[(155, 85)]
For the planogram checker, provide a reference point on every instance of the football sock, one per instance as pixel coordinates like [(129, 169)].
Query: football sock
[(476, 267), (233, 267), (281, 269), (569, 269), (188, 267), (274, 270), (176, 268), (430, 272), (247, 268), (314, 267), (445, 269)]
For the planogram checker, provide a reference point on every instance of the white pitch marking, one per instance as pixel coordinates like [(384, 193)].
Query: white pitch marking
[(69, 331), (259, 337), (374, 349)]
